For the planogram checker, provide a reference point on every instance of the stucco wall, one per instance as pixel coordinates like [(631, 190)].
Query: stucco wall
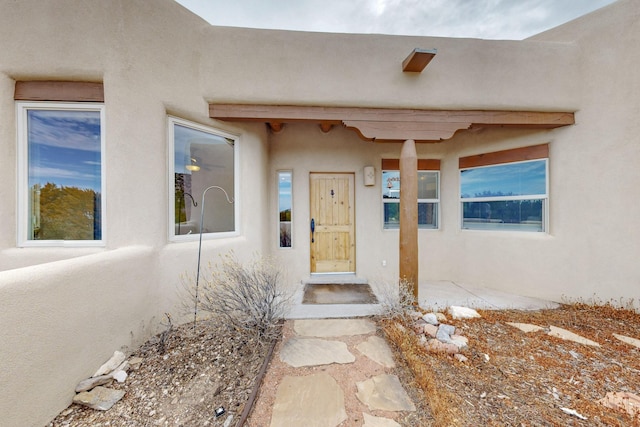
[(65, 310)]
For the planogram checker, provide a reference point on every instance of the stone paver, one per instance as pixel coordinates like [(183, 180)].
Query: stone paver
[(526, 327), (384, 392), (299, 352), (310, 401), (631, 341), (376, 349), (333, 327), (371, 421), (554, 331)]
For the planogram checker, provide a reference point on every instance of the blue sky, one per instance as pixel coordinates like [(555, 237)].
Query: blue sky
[(488, 19), (284, 191), (517, 179), (64, 148)]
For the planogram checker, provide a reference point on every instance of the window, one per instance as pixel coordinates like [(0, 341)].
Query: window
[(61, 185), (506, 196), (284, 207), (200, 158), (428, 194)]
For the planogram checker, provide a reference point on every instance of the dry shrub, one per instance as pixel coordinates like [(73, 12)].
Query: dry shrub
[(397, 302), (248, 297), (444, 404)]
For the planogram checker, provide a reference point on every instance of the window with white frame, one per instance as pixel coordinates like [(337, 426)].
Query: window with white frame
[(202, 160), (284, 207), (61, 173), (505, 196), (428, 198)]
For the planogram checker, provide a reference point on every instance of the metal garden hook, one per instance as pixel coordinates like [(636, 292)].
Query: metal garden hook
[(195, 310)]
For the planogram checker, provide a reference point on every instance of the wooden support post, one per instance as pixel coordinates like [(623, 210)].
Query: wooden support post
[(409, 215)]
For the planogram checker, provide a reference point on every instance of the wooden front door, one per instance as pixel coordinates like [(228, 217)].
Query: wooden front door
[(333, 244)]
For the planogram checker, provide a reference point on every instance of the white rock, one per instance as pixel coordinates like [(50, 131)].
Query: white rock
[(459, 340), (573, 412), (115, 361), (526, 327), (460, 358), (458, 312), (628, 340), (554, 331), (119, 376), (430, 318)]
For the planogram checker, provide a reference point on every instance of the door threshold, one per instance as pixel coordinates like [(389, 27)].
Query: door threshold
[(335, 278)]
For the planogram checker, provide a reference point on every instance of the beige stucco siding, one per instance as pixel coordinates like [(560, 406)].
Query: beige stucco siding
[(65, 310)]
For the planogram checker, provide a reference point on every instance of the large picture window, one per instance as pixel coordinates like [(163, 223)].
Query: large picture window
[(60, 152), (510, 196), (201, 157), (428, 198)]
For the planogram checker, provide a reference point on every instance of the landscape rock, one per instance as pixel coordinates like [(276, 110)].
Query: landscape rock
[(134, 362), (526, 327), (628, 402), (89, 383), (100, 398), (460, 358), (448, 329), (458, 312), (111, 364), (628, 340), (437, 346), (119, 375), (570, 336), (431, 319), (441, 317), (459, 341), (430, 330), (444, 333), (418, 326)]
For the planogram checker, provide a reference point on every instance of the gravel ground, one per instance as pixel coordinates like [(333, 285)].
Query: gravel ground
[(183, 385), (512, 378)]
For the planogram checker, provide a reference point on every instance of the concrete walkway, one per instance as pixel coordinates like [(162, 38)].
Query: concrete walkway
[(434, 295)]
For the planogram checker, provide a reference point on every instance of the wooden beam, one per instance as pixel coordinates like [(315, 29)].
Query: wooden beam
[(409, 216), (335, 115), (423, 164), (418, 60), (393, 124), (59, 91), (325, 127), (533, 152), (275, 126), (391, 130)]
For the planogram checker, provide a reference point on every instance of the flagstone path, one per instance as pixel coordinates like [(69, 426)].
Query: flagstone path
[(312, 395)]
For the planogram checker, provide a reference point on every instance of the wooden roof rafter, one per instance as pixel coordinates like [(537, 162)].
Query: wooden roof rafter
[(391, 124)]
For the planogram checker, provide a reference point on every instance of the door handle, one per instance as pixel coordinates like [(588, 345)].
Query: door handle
[(313, 229)]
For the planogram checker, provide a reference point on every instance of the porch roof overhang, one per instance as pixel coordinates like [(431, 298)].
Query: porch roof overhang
[(390, 124)]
